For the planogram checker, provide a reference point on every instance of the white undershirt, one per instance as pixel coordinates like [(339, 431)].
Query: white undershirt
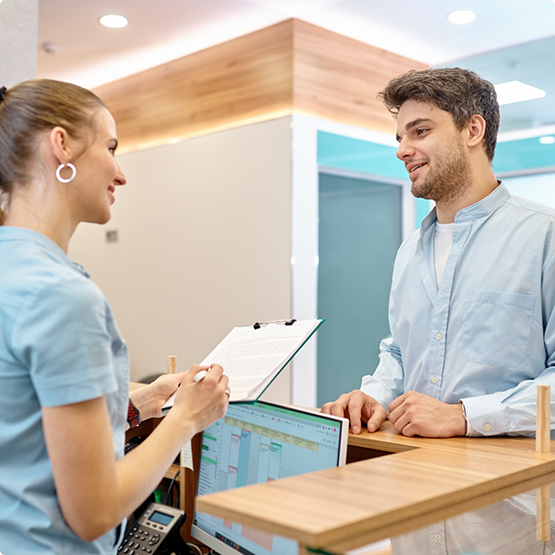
[(442, 246)]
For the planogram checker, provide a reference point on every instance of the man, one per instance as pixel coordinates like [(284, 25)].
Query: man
[(473, 292)]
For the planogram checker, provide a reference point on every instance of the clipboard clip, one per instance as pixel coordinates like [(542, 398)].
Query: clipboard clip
[(258, 325)]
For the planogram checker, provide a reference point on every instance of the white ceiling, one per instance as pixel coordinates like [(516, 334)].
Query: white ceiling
[(510, 39)]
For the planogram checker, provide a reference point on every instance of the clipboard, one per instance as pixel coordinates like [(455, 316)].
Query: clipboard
[(252, 356)]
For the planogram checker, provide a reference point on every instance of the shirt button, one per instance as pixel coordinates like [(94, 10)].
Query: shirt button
[(487, 427), (438, 336), (438, 537), (434, 380)]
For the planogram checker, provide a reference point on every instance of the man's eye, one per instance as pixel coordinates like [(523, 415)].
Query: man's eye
[(421, 131)]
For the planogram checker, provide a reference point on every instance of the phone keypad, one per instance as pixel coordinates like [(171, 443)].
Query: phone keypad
[(138, 541)]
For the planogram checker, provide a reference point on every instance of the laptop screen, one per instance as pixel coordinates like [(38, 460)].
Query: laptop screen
[(256, 443)]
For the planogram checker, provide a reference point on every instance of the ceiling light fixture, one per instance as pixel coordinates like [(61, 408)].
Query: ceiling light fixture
[(548, 140), (113, 21), (461, 17), (515, 91)]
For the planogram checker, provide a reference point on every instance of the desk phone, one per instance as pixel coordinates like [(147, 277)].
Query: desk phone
[(152, 530)]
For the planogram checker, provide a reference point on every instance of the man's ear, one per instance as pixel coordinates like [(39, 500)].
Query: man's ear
[(476, 130)]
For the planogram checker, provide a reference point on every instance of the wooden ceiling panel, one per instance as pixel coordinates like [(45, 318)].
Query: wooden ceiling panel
[(289, 67)]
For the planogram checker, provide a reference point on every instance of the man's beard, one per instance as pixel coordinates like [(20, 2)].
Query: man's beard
[(448, 180)]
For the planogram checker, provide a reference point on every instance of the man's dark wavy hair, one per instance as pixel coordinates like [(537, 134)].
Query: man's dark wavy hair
[(458, 91)]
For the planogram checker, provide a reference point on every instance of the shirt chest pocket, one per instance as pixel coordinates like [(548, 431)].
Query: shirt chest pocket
[(497, 327)]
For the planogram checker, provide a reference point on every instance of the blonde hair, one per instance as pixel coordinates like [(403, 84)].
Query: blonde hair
[(29, 109)]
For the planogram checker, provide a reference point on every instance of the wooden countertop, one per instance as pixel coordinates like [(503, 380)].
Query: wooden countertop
[(420, 481)]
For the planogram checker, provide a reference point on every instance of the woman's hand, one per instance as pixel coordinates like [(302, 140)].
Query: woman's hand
[(95, 491), (150, 400), (202, 402)]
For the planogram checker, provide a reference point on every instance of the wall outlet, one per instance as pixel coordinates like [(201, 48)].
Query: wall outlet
[(112, 236)]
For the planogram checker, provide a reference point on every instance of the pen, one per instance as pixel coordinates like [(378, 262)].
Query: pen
[(200, 375)]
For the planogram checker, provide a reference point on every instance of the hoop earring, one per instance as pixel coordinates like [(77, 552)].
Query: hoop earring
[(71, 178)]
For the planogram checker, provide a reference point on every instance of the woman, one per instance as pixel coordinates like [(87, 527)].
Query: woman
[(65, 486)]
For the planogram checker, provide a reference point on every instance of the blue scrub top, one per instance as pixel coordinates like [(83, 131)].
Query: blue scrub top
[(59, 344)]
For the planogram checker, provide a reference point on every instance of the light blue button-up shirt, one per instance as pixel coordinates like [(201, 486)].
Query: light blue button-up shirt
[(486, 336)]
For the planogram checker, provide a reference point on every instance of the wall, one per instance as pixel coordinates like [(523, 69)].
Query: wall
[(204, 231), (19, 20), (539, 188)]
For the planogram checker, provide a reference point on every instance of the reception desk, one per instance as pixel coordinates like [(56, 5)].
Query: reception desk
[(407, 483)]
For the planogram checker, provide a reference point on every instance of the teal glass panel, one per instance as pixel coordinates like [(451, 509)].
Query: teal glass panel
[(423, 207), (524, 154), (346, 153), (360, 231)]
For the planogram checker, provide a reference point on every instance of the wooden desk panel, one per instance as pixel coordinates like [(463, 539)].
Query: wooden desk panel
[(369, 499)]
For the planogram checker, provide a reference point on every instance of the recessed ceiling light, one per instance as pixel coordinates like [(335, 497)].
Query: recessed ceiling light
[(461, 17), (547, 140), (515, 91), (113, 21)]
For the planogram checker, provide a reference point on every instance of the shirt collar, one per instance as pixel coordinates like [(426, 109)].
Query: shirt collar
[(8, 233), (499, 196)]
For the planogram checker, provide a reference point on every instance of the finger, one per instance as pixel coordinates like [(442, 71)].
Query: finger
[(396, 403), (410, 430), (213, 374), (217, 371), (395, 414), (194, 370), (224, 382), (179, 377), (340, 407), (355, 413), (401, 424), (377, 419)]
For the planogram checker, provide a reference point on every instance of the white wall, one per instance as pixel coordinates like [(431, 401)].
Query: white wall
[(204, 245), (539, 188), (19, 23)]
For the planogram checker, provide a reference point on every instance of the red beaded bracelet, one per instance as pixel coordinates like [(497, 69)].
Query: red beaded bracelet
[(133, 416)]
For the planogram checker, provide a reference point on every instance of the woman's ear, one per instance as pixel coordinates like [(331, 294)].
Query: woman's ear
[(61, 144)]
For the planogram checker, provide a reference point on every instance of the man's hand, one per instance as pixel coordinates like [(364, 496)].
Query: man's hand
[(150, 399), (357, 407), (416, 414)]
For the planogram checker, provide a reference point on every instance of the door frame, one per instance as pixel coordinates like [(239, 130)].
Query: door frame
[(304, 232)]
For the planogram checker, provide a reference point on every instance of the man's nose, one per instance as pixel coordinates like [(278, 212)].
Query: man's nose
[(405, 149)]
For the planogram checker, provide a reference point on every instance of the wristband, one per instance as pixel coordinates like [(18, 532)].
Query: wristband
[(133, 415), (468, 428)]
